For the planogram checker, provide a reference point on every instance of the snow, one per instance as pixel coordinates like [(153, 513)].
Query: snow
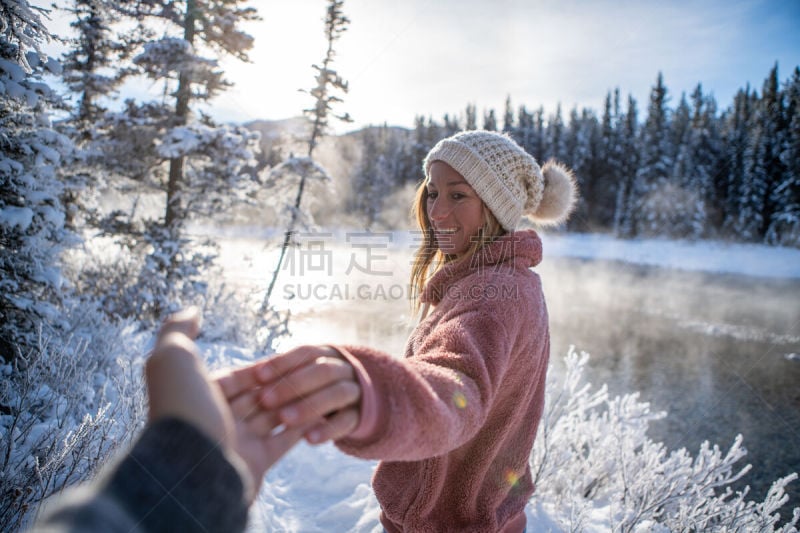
[(704, 256), (11, 216)]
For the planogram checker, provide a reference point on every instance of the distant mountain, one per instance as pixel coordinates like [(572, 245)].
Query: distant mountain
[(275, 129)]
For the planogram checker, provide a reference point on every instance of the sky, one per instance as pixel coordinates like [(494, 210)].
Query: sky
[(431, 57)]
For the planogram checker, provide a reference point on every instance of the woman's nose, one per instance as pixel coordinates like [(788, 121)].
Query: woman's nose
[(437, 210)]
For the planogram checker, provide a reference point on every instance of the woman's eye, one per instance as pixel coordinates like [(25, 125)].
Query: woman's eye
[(432, 195), (458, 196)]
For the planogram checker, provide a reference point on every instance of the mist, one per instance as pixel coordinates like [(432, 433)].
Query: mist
[(717, 352)]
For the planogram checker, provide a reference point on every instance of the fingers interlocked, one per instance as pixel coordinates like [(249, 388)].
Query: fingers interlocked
[(310, 386)]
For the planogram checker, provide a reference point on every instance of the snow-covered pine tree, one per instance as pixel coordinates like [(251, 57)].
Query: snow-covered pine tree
[(325, 95), (676, 214), (196, 25), (376, 175), (784, 226), (539, 135), (201, 167), (92, 65), (508, 117), (434, 132), (490, 121), (582, 145), (737, 124), (419, 147), (764, 168), (31, 213), (92, 69), (705, 152), (651, 189), (471, 120), (629, 163), (57, 420), (523, 132), (555, 147), (451, 125), (610, 157)]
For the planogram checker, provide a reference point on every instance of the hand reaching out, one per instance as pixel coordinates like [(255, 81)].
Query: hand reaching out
[(179, 386), (311, 387)]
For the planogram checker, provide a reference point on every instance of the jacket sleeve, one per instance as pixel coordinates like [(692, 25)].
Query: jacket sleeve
[(438, 398), (173, 479)]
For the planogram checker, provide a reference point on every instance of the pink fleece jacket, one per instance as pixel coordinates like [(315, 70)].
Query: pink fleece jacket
[(454, 421)]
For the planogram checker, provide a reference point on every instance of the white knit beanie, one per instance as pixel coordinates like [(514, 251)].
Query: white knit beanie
[(508, 179)]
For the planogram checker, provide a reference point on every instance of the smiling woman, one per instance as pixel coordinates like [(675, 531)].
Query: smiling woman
[(454, 208), (462, 407)]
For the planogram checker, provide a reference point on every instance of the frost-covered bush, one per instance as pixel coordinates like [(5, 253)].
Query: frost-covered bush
[(125, 276), (142, 273), (595, 469), (68, 402)]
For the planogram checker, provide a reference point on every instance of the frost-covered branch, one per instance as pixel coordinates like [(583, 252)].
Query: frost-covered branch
[(592, 457)]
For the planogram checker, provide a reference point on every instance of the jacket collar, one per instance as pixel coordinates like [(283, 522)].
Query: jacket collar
[(518, 249)]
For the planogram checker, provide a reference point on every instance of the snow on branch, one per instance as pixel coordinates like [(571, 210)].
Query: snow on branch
[(595, 469)]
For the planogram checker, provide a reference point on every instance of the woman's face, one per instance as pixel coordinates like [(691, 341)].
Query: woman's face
[(454, 209)]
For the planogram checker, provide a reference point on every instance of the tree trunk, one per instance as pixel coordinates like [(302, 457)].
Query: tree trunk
[(174, 215)]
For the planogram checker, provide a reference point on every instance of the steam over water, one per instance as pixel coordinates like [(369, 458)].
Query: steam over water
[(719, 352)]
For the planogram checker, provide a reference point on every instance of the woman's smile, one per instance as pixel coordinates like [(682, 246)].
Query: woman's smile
[(454, 209)]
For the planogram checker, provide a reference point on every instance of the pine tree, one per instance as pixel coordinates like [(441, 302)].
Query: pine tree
[(471, 117), (538, 140), (582, 145), (490, 121), (93, 68), (706, 155), (419, 148), (31, 214), (212, 23), (736, 135), (652, 191), (677, 216), (377, 173), (325, 97), (524, 133), (434, 132), (92, 65), (208, 167), (784, 225), (624, 208), (451, 126), (508, 117), (764, 168), (609, 160), (555, 148)]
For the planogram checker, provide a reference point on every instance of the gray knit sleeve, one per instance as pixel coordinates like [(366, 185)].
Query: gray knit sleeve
[(173, 479)]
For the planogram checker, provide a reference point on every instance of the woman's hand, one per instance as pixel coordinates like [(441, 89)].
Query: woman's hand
[(312, 385)]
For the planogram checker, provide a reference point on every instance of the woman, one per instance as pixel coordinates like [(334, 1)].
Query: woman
[(453, 422)]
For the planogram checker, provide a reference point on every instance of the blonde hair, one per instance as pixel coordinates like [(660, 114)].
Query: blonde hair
[(428, 259)]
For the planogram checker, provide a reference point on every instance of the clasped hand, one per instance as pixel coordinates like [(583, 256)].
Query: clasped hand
[(259, 411)]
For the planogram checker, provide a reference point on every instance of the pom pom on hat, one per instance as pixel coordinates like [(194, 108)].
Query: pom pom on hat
[(558, 197), (507, 178)]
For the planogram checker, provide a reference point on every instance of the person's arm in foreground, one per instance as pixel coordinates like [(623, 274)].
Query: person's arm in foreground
[(199, 461)]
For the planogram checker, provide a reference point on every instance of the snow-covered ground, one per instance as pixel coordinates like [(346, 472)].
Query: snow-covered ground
[(319, 489), (707, 256)]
